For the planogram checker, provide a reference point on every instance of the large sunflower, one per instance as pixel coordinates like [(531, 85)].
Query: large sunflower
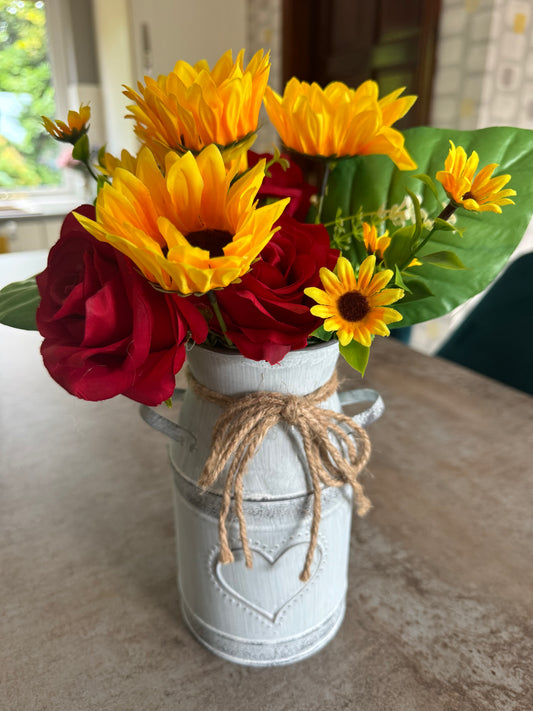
[(481, 193), (338, 121), (190, 231), (194, 106), (355, 307)]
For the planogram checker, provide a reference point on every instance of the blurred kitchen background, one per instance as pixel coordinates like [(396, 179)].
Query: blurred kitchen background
[(469, 61)]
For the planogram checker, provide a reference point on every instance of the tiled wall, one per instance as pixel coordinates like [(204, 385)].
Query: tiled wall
[(508, 88), (462, 51), (484, 73)]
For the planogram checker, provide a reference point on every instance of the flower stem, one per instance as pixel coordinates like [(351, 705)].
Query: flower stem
[(344, 218), (448, 211), (323, 189), (216, 308), (90, 170), (444, 215)]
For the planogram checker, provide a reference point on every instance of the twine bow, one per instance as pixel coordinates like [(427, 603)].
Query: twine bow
[(240, 430)]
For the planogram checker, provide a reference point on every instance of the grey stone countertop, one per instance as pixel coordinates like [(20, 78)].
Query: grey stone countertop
[(441, 572)]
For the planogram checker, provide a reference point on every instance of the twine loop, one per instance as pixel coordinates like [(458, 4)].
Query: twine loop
[(242, 427)]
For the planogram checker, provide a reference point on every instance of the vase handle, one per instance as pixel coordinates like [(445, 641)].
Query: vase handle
[(187, 439), (372, 413), (171, 429)]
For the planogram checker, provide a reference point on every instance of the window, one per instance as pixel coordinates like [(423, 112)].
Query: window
[(28, 157)]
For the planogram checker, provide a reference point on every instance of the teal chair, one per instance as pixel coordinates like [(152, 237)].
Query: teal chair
[(496, 338)]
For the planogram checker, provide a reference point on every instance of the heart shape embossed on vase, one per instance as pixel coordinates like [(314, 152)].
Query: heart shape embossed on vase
[(272, 583)]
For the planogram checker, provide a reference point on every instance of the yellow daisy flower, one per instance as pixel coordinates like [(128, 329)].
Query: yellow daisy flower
[(481, 193), (194, 106), (71, 131), (356, 307), (374, 244), (191, 230), (338, 121)]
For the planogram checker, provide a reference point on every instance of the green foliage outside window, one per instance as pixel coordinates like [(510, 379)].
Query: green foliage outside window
[(27, 156)]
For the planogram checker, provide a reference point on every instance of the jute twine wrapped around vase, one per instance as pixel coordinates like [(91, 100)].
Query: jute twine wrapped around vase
[(242, 427)]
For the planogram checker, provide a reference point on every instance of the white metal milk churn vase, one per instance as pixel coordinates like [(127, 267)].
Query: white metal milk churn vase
[(265, 470)]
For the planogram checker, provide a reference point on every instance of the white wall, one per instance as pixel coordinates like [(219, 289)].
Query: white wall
[(176, 29), (115, 63), (181, 29)]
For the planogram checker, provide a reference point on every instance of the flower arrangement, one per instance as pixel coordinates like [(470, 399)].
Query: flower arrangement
[(196, 239)]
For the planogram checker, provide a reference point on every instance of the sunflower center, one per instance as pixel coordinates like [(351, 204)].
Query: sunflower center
[(353, 306), (468, 196), (213, 241)]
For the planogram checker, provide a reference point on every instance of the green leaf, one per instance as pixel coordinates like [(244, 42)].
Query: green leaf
[(429, 182), (80, 150), (398, 279), (489, 239), (399, 250), (417, 289), (418, 216), (322, 334), (445, 260), (355, 355), (18, 304), (443, 225), (101, 155)]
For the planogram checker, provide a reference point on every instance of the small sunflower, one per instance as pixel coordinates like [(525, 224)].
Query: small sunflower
[(194, 106), (374, 244), (338, 121), (71, 131), (355, 307), (481, 193), (191, 230)]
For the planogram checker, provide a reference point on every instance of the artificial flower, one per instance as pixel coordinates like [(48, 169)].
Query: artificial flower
[(338, 121), (377, 245), (356, 307), (374, 244), (191, 230), (71, 131), (106, 330), (266, 312), (481, 193), (108, 163), (194, 106), (285, 182)]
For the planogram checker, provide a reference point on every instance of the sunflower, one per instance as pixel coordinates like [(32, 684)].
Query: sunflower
[(71, 131), (374, 244), (338, 121), (481, 193), (108, 163), (355, 307), (191, 230), (194, 106)]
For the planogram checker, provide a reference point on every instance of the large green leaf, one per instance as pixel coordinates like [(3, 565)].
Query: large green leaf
[(489, 239), (18, 304)]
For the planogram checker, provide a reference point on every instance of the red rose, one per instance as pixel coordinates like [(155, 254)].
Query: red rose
[(285, 183), (106, 330), (267, 314)]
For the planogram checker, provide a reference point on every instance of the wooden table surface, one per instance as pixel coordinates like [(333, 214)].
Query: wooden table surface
[(441, 572)]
